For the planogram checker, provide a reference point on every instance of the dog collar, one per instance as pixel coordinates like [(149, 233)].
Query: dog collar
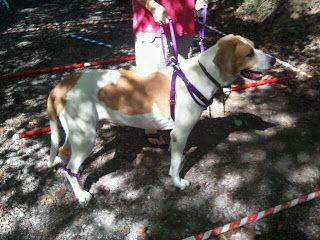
[(212, 79)]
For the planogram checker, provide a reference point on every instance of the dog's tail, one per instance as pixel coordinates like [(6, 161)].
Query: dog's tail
[(55, 138)]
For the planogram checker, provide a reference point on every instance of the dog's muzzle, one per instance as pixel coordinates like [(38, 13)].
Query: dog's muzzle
[(264, 62)]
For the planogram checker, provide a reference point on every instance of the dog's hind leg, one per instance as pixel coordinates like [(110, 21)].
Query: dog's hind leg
[(54, 141), (81, 135), (65, 150), (81, 145)]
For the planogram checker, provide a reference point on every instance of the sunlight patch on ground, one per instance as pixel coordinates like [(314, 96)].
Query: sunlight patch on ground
[(283, 163), (306, 174), (29, 184), (132, 195), (231, 181), (242, 137), (284, 120), (112, 182), (105, 219), (228, 207), (253, 155), (23, 44), (8, 226), (33, 61), (29, 10)]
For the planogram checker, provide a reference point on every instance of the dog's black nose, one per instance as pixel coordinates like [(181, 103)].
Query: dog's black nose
[(273, 61)]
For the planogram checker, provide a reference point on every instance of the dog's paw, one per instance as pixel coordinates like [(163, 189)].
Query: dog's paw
[(181, 183), (184, 184), (84, 197)]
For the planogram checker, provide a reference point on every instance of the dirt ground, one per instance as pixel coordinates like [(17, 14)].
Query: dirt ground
[(263, 151)]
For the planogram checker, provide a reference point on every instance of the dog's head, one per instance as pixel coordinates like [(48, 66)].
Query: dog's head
[(236, 54)]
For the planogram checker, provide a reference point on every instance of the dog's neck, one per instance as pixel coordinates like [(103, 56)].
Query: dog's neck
[(206, 59)]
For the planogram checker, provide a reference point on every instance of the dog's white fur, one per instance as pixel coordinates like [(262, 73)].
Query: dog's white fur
[(83, 110)]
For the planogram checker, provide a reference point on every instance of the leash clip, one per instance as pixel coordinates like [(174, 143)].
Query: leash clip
[(174, 62), (200, 41)]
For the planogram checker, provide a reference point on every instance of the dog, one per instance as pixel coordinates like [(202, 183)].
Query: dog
[(125, 98)]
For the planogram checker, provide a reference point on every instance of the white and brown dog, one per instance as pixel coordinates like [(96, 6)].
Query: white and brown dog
[(125, 98)]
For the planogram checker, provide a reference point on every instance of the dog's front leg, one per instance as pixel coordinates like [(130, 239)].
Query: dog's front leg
[(179, 137), (177, 146)]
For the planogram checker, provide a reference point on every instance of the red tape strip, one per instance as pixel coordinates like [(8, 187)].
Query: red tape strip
[(260, 83), (35, 132), (62, 68)]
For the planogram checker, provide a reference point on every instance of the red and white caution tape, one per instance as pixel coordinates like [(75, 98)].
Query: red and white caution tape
[(294, 69), (63, 68), (55, 26), (254, 217)]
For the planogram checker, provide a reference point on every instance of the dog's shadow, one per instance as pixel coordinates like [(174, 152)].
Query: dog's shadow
[(210, 132), (128, 142)]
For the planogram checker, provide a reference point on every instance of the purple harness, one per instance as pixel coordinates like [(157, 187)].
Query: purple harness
[(196, 95)]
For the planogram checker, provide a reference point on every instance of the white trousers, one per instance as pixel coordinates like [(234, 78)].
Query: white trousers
[(149, 53)]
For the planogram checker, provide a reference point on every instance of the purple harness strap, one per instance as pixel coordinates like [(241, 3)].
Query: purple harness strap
[(196, 95), (76, 175)]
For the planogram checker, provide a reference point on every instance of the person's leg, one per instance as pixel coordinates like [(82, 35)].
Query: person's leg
[(149, 58), (149, 55)]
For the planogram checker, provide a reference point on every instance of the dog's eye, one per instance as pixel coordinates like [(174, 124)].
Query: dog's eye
[(251, 53)]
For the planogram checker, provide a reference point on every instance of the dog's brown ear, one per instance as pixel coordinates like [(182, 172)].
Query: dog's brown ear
[(225, 58)]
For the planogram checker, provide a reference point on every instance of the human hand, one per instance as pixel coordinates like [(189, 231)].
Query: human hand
[(201, 4), (159, 13)]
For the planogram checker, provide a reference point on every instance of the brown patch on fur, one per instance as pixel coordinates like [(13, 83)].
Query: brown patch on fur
[(65, 151), (133, 94), (57, 97), (232, 55)]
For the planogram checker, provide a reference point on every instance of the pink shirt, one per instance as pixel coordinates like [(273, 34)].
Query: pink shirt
[(180, 11)]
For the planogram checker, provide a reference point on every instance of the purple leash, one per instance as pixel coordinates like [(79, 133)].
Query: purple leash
[(201, 32), (162, 44)]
